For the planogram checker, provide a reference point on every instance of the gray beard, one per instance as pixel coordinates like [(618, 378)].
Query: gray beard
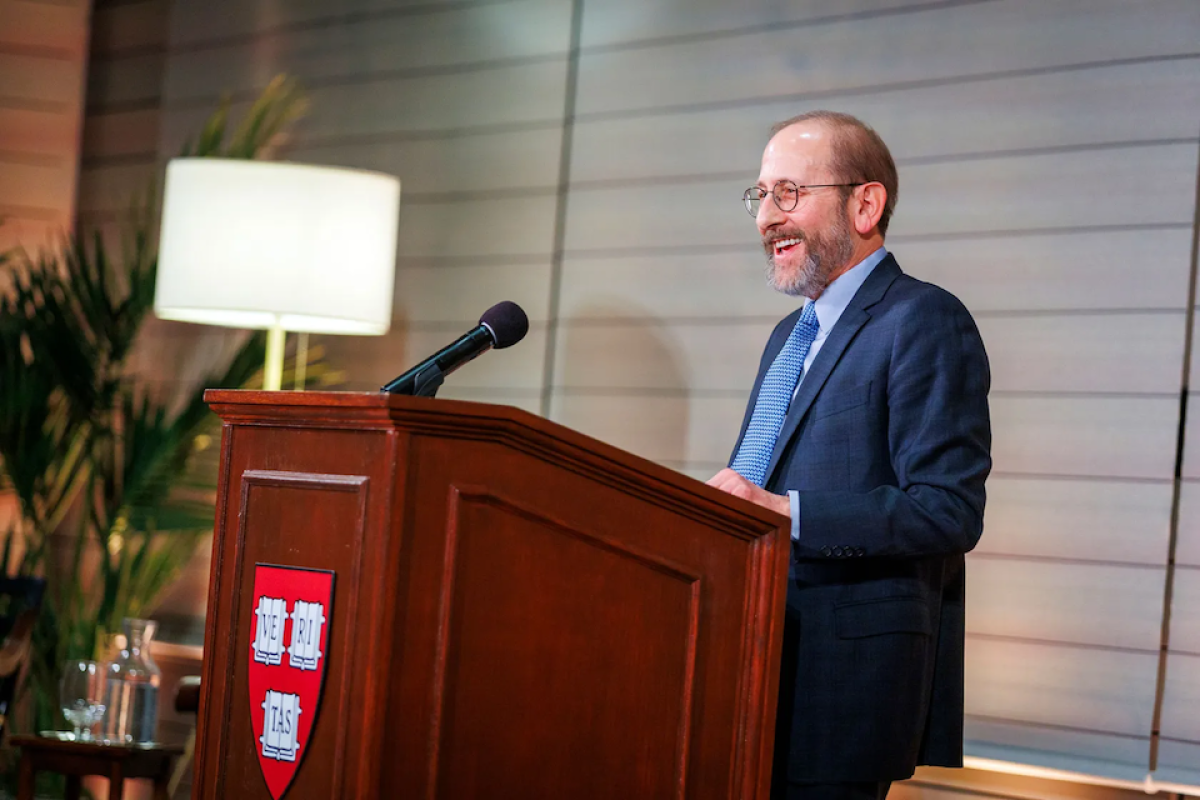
[(827, 253), (808, 281)]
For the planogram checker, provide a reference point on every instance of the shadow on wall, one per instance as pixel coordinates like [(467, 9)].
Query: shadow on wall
[(364, 363), (623, 378)]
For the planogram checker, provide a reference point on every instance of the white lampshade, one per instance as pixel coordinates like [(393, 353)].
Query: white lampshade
[(254, 244)]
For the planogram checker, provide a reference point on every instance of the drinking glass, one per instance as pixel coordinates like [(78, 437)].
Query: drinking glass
[(81, 696)]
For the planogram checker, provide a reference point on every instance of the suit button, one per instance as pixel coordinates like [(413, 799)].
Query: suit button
[(858, 551), (837, 551), (825, 551)]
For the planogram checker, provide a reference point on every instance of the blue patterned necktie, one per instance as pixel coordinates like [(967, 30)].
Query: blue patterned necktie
[(774, 397)]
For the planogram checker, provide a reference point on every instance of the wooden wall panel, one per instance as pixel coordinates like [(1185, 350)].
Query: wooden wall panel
[(1121, 520), (1065, 601), (687, 284), (380, 107), (1177, 762), (31, 234), (182, 354), (1103, 690), (517, 227), (51, 29), (1181, 711), (524, 399), (1028, 354), (459, 293), (1151, 185), (621, 21), (122, 135), (37, 181), (42, 64), (507, 162), (635, 353), (30, 129), (129, 80), (994, 273), (1106, 437), (971, 40), (1188, 550), (503, 96), (109, 185), (1185, 621), (1095, 105), (991, 274), (1084, 751), (196, 25), (129, 27), (932, 783), (1133, 185), (41, 79), (1179, 757), (371, 361), (694, 433), (647, 217), (374, 45), (1079, 353)]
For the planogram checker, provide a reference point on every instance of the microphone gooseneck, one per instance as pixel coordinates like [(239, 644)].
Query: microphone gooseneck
[(502, 325)]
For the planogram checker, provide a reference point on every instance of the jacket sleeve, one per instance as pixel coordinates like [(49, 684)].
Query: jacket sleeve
[(938, 440)]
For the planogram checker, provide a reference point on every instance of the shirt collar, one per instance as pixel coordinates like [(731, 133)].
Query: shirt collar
[(837, 295)]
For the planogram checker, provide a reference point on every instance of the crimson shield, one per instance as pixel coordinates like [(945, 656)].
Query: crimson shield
[(288, 644)]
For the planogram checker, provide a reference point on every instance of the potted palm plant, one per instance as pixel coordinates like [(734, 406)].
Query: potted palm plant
[(112, 502)]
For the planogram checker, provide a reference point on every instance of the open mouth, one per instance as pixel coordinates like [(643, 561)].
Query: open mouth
[(781, 246)]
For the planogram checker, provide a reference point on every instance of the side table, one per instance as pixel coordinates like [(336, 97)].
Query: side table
[(76, 759)]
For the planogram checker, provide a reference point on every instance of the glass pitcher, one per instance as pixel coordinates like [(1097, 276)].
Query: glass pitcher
[(131, 687)]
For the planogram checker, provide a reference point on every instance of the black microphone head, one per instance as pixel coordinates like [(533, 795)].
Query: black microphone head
[(507, 323)]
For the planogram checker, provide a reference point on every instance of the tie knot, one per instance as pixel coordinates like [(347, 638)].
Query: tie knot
[(808, 317)]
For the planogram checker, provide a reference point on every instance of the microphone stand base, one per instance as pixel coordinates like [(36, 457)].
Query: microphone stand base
[(424, 384)]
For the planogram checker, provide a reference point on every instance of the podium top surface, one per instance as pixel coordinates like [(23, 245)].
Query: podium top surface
[(463, 419)]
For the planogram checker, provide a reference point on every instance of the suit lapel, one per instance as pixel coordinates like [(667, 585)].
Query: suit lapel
[(848, 325)]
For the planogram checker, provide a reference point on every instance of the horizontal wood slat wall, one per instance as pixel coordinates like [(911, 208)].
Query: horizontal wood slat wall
[(1048, 154), (43, 51)]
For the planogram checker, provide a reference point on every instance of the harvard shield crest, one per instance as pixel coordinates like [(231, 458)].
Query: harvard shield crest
[(288, 644)]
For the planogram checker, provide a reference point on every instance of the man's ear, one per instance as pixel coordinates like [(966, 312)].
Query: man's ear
[(866, 207)]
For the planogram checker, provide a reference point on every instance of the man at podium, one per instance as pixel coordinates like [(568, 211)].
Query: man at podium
[(868, 425)]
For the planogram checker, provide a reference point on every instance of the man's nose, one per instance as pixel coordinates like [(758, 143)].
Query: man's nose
[(768, 213)]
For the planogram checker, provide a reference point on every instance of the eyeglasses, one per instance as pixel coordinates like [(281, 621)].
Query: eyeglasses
[(787, 194)]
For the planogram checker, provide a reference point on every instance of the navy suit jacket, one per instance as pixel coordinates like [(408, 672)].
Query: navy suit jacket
[(888, 444)]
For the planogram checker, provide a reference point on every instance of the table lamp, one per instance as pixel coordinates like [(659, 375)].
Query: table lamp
[(285, 247)]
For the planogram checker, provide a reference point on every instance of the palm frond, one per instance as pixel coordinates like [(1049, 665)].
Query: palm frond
[(212, 134), (280, 104)]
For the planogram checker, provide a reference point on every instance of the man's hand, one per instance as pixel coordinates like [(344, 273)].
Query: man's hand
[(729, 481)]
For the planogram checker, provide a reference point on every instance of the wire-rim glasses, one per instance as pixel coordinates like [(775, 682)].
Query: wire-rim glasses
[(787, 194)]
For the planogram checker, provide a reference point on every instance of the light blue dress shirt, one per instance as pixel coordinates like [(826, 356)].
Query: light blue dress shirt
[(830, 305)]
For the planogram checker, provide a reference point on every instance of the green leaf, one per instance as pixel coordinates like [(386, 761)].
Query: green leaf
[(213, 133)]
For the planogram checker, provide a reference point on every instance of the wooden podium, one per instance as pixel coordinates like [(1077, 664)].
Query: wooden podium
[(518, 610)]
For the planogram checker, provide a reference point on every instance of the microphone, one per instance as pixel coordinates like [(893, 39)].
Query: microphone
[(502, 325)]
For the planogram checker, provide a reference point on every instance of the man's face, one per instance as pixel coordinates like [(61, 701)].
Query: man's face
[(811, 244)]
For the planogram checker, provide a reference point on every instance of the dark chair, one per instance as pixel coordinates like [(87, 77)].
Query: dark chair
[(20, 602)]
